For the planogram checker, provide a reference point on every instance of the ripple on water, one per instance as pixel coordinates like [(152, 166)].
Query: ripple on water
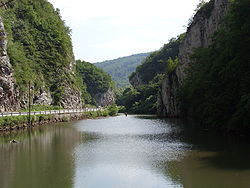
[(125, 152)]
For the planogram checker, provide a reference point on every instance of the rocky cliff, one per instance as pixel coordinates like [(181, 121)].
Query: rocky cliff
[(105, 99), (136, 81), (71, 98), (8, 92), (40, 57), (199, 34)]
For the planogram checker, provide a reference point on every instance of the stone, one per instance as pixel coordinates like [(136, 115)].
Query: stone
[(8, 89), (106, 98), (199, 34), (71, 98), (136, 80), (42, 98)]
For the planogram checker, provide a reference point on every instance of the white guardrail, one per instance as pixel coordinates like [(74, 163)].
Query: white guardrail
[(61, 111)]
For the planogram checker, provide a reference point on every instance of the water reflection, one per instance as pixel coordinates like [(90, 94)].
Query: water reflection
[(167, 153), (126, 152), (42, 158)]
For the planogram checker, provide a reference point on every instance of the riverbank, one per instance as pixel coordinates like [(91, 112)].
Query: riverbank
[(13, 123)]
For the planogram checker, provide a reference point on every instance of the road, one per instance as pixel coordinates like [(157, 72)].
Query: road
[(61, 111)]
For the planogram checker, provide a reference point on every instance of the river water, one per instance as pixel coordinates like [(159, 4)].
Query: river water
[(123, 152)]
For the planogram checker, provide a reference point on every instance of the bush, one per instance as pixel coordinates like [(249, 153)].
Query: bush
[(112, 110)]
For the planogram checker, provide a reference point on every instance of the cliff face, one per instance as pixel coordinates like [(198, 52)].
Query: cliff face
[(206, 21), (8, 92), (40, 53), (136, 80), (71, 98), (105, 99), (10, 99)]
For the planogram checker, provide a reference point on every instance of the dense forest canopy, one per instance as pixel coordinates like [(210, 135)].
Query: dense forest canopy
[(122, 67)]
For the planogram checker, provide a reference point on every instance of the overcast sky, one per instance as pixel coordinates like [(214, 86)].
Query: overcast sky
[(108, 29)]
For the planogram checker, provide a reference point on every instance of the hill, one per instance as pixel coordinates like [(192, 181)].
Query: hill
[(36, 57), (121, 68)]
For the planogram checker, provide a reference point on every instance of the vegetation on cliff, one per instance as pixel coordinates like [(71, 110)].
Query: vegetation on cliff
[(143, 98), (39, 47), (217, 90), (93, 80), (157, 62)]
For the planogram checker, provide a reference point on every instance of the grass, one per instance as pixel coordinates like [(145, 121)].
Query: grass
[(15, 120), (41, 108)]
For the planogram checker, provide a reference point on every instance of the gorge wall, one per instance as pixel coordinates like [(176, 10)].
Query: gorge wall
[(36, 54), (8, 91), (105, 99), (199, 34)]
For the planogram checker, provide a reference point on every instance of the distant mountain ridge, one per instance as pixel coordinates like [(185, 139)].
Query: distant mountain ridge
[(122, 67)]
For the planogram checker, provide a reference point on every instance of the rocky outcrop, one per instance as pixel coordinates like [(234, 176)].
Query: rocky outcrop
[(8, 90), (136, 81), (199, 34), (105, 99), (71, 98), (42, 98)]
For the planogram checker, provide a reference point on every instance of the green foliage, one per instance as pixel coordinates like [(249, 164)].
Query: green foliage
[(112, 110), (42, 108), (122, 67), (121, 109), (15, 120), (157, 62), (39, 46), (218, 85), (172, 64), (95, 114), (144, 99), (94, 80)]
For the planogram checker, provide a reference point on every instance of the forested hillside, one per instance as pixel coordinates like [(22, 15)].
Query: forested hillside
[(39, 57), (40, 51), (96, 85), (122, 67), (157, 62), (146, 79)]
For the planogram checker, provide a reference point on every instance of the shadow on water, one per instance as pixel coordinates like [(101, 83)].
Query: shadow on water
[(229, 153)]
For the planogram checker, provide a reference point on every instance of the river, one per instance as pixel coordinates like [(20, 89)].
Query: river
[(123, 152)]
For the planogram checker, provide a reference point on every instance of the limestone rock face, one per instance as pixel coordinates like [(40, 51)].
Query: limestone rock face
[(71, 98), (199, 34), (42, 98), (105, 99), (8, 89), (136, 80)]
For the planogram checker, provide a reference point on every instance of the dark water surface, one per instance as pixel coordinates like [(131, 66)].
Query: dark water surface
[(123, 152)]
